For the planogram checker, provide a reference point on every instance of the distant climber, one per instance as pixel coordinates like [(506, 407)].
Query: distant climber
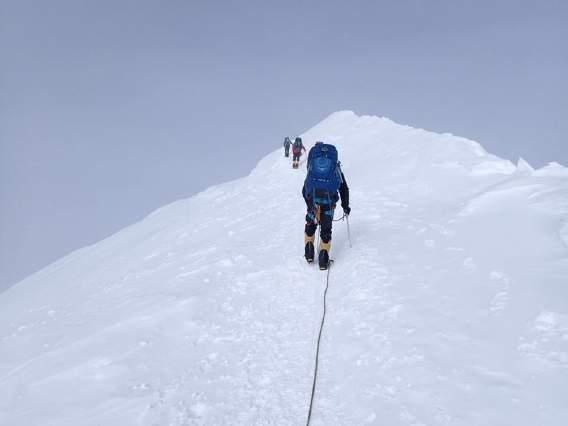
[(324, 185), (287, 143), (297, 149)]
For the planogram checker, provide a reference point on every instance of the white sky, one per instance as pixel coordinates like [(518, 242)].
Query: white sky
[(110, 109)]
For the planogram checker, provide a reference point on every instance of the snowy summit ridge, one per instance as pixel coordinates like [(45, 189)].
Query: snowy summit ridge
[(450, 309)]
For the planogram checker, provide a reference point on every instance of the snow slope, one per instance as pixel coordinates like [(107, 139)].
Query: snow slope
[(450, 309)]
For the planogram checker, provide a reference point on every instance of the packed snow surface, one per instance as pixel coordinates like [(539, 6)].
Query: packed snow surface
[(450, 309)]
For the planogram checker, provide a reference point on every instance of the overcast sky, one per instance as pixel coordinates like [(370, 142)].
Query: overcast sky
[(111, 109)]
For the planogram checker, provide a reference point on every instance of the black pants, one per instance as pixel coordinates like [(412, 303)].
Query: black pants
[(325, 221), (296, 157), (286, 151)]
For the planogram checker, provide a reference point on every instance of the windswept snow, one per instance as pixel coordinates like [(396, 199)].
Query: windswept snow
[(450, 309)]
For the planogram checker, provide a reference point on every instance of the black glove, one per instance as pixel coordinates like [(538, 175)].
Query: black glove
[(346, 210)]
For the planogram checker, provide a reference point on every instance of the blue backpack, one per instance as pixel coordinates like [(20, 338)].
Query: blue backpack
[(324, 173)]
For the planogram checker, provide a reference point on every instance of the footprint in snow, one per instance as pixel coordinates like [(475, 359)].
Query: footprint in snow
[(226, 263), (501, 298), (469, 264), (430, 244)]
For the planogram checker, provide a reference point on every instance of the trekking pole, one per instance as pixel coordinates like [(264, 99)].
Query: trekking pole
[(348, 231)]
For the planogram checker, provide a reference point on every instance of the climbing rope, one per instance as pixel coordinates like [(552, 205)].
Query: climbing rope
[(341, 218), (344, 217), (318, 345)]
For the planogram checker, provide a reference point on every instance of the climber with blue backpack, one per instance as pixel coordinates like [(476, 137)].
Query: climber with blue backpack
[(323, 186)]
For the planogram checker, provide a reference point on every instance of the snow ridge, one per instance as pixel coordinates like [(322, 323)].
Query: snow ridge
[(451, 308)]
